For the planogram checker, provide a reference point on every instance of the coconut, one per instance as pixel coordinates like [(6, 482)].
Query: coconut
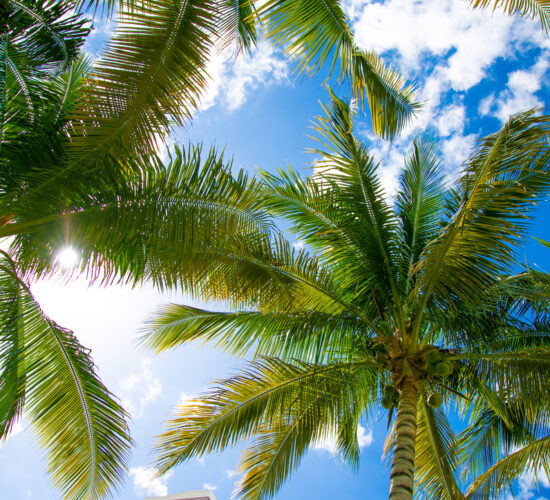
[(390, 391), (443, 368), (434, 400), (387, 402), (434, 356)]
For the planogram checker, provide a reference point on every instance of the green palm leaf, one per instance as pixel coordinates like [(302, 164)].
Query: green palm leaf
[(435, 460), (254, 400), (75, 417), (529, 8), (237, 24), (534, 456), (150, 76), (294, 334), (509, 169), (419, 202), (316, 31)]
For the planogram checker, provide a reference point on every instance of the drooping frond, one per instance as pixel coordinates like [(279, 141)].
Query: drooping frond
[(490, 437), (314, 32), (50, 33), (391, 99), (237, 24), (12, 374), (278, 448), (491, 484), (514, 375), (528, 8), (435, 460), (74, 415), (270, 393), (129, 229)]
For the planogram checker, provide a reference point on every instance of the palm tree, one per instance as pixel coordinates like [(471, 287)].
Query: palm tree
[(409, 306)]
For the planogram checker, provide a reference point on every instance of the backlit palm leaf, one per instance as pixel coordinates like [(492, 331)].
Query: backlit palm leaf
[(294, 334), (283, 406), (75, 417), (534, 456)]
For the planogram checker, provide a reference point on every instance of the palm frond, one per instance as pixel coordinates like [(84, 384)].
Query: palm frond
[(527, 8), (295, 335), (268, 393), (237, 24), (490, 484), (490, 438), (277, 449), (435, 460), (501, 182), (391, 99), (350, 171), (419, 202), (75, 417), (150, 76), (126, 229), (315, 32), (49, 33)]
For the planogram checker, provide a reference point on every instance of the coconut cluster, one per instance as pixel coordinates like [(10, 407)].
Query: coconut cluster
[(391, 397), (437, 365)]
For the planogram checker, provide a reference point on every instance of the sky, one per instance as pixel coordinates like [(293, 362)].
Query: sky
[(473, 69)]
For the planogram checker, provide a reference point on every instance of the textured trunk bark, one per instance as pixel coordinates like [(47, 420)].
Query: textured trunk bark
[(402, 469)]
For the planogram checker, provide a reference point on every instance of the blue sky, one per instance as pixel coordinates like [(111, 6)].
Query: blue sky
[(473, 69)]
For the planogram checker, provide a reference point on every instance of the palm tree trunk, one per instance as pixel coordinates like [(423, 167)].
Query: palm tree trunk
[(402, 469)]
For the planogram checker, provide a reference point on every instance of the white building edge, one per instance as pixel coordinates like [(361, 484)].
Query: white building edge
[(188, 495)]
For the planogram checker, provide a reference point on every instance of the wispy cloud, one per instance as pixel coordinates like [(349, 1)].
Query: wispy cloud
[(233, 78), (140, 389), (520, 93)]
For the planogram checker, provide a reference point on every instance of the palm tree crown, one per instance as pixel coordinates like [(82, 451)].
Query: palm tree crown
[(409, 305)]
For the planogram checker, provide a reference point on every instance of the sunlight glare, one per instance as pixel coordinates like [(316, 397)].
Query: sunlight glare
[(67, 258)]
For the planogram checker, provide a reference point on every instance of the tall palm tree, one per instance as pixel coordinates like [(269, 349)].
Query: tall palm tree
[(409, 305)]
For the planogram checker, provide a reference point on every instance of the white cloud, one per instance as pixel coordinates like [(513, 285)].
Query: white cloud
[(328, 442), (364, 438), (457, 149), (451, 120), (208, 486), (231, 474), (447, 47), (234, 77), (433, 28), (528, 486), (145, 482), (140, 389), (520, 91)]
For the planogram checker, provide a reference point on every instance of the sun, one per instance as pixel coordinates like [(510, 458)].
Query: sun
[(67, 258)]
